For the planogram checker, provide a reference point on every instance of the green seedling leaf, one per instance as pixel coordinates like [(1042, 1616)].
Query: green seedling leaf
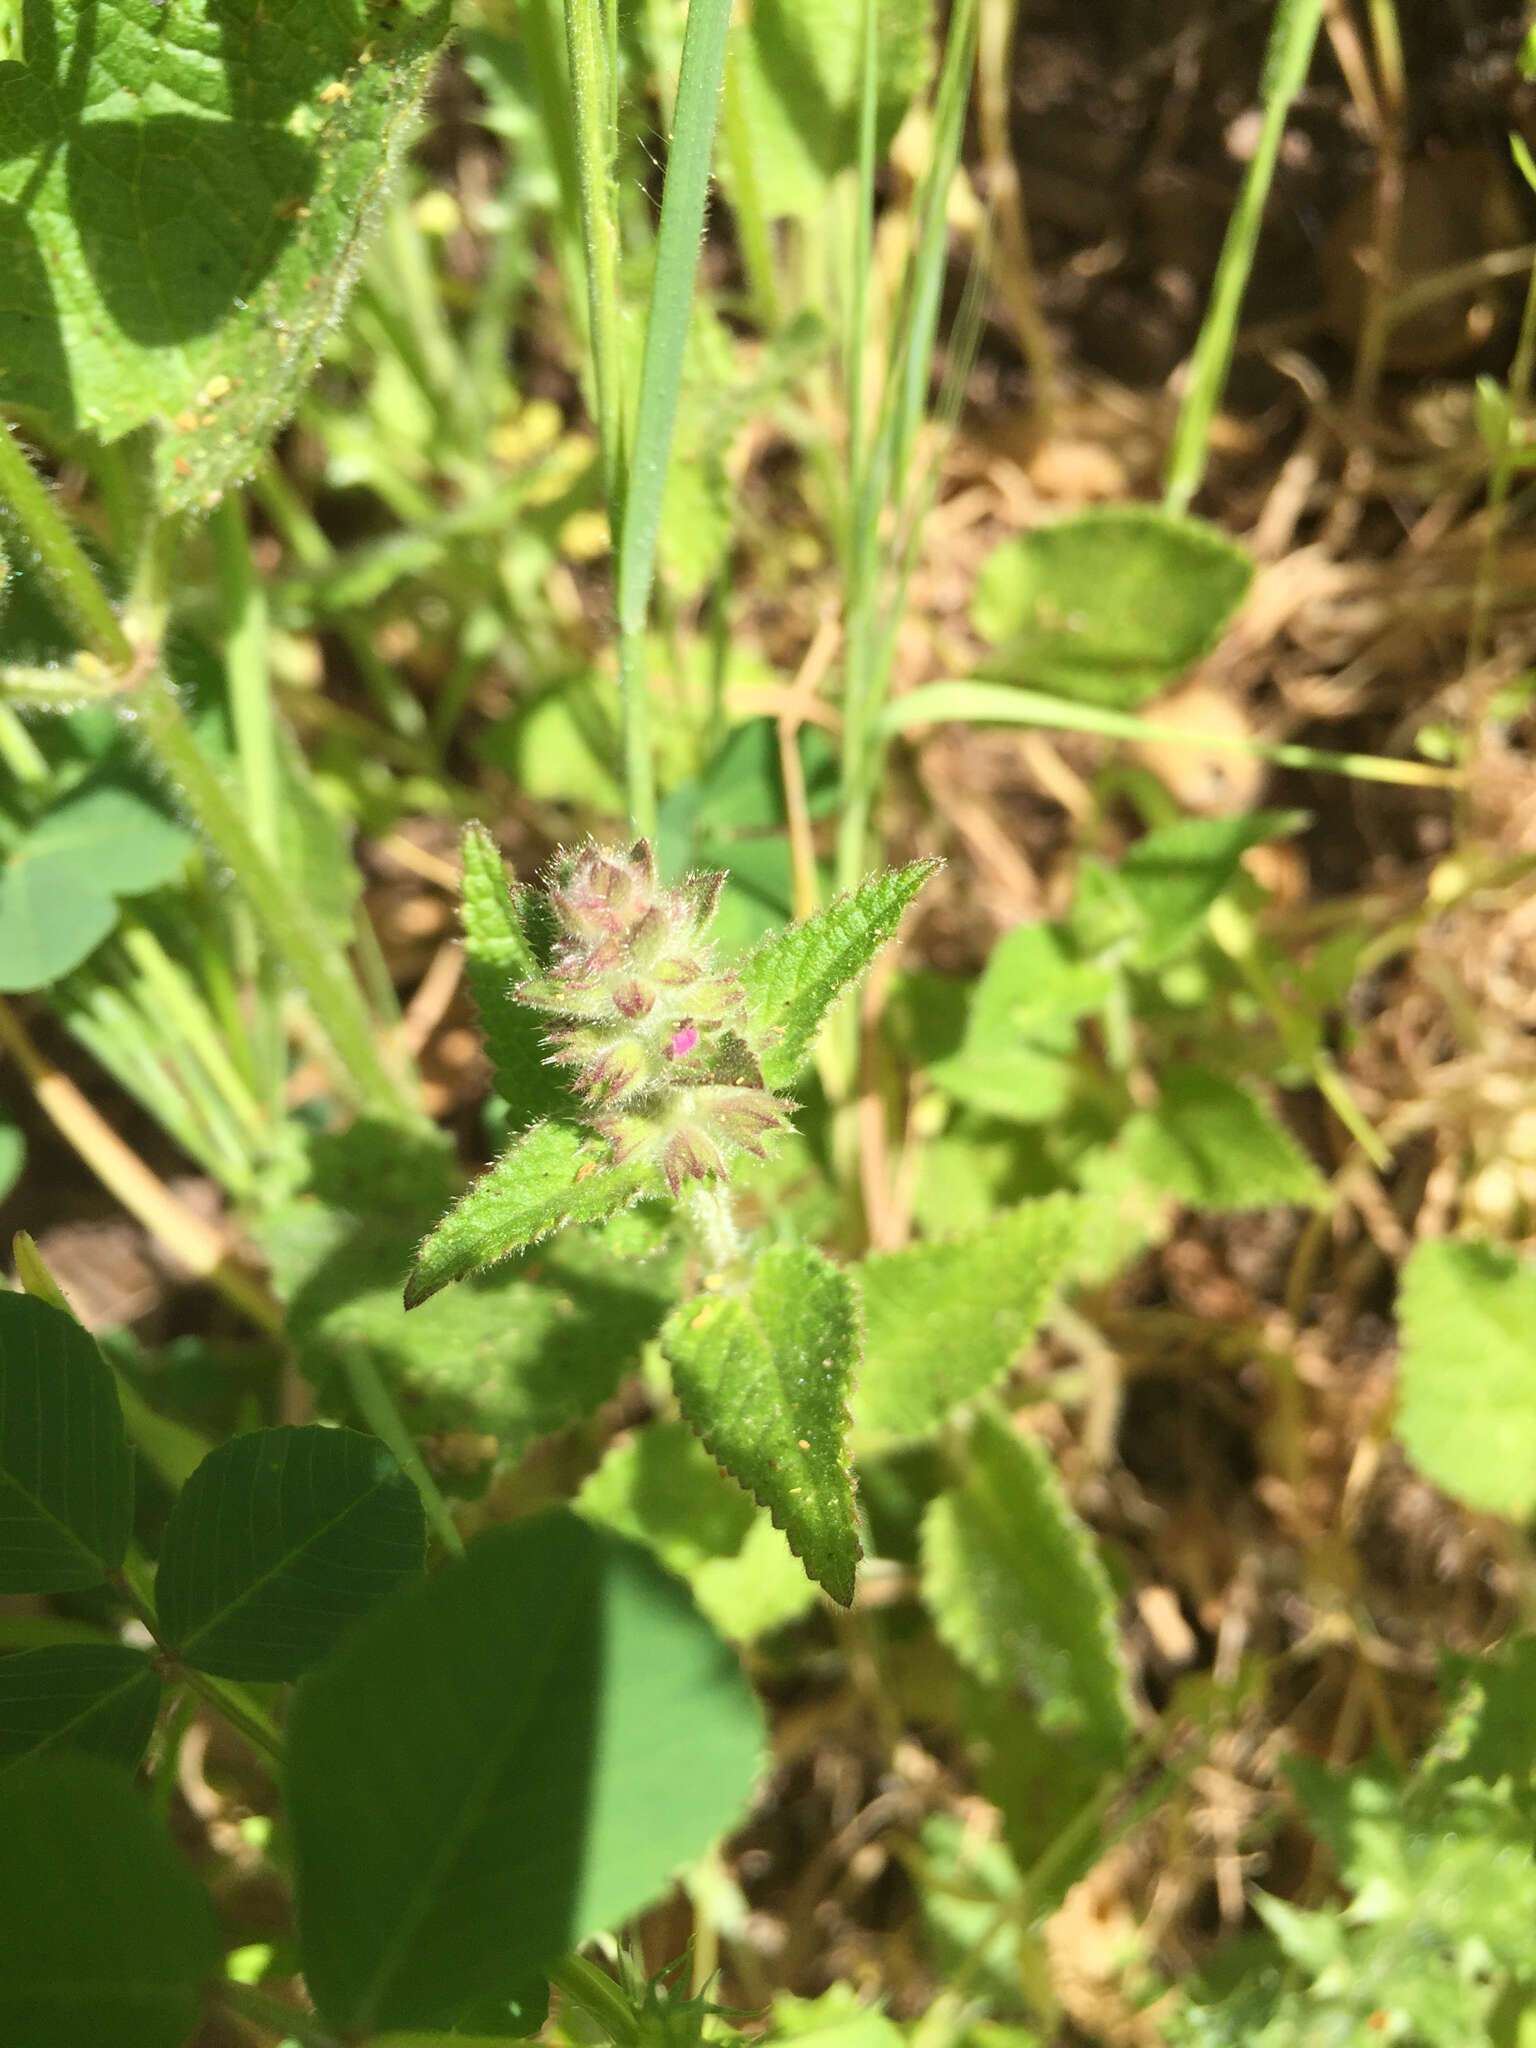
[(1211, 1145), (500, 1762), (1017, 1591), (105, 1933), (59, 888), (497, 956), (549, 1177), (793, 980), (797, 74), (1158, 897), (183, 209), (943, 1322), (278, 1543), (763, 1375), (660, 1487), (1109, 606), (97, 1697), (1012, 1061), (66, 1472), (1467, 1402)]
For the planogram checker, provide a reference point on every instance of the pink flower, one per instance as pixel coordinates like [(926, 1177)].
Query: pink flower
[(683, 1040)]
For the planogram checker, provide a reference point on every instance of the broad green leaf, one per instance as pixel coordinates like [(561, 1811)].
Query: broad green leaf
[(66, 1472), (944, 1321), (1157, 899), (661, 1487), (797, 73), (500, 1762), (763, 1373), (840, 2018), (1109, 606), (1012, 1061), (548, 1178), (1211, 1145), (793, 979), (1467, 1376), (278, 1543), (105, 1934), (497, 956), (183, 207), (1017, 1591), (100, 1697), (58, 889)]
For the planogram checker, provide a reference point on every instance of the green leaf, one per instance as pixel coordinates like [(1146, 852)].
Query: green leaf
[(798, 74), (1157, 899), (500, 1762), (278, 1543), (943, 1322), (1022, 1027), (763, 1375), (793, 980), (1467, 1401), (497, 956), (661, 1488), (1017, 1591), (1109, 606), (13, 1157), (100, 1697), (548, 1178), (58, 889), (105, 1934), (66, 1472), (183, 208), (1211, 1145)]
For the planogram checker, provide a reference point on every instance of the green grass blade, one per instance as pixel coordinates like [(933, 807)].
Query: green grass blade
[(1291, 38)]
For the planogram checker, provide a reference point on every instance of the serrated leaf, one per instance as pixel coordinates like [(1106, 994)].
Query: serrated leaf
[(794, 978), (66, 1471), (184, 204), (1109, 606), (498, 956), (550, 1176), (1467, 1393), (661, 1487), (105, 1933), (1012, 1061), (1211, 1145), (278, 1543), (98, 1697), (944, 1321), (1017, 1591), (58, 889), (763, 1375), (797, 66), (502, 1761)]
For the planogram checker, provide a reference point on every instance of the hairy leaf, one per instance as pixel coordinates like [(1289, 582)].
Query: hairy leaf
[(1017, 1592), (944, 1321), (793, 979), (550, 1176), (1467, 1407), (763, 1374), (105, 1933), (185, 198), (66, 1472), (502, 1761), (1211, 1145), (279, 1541), (1012, 1061), (98, 1697), (1109, 606), (498, 956)]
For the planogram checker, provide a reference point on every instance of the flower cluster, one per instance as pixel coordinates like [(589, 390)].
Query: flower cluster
[(656, 1037)]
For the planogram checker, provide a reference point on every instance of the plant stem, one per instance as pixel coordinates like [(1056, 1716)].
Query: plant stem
[(1289, 53), (245, 666), (246, 2002), (281, 911), (384, 1419), (240, 1712), (586, 53), (59, 557)]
